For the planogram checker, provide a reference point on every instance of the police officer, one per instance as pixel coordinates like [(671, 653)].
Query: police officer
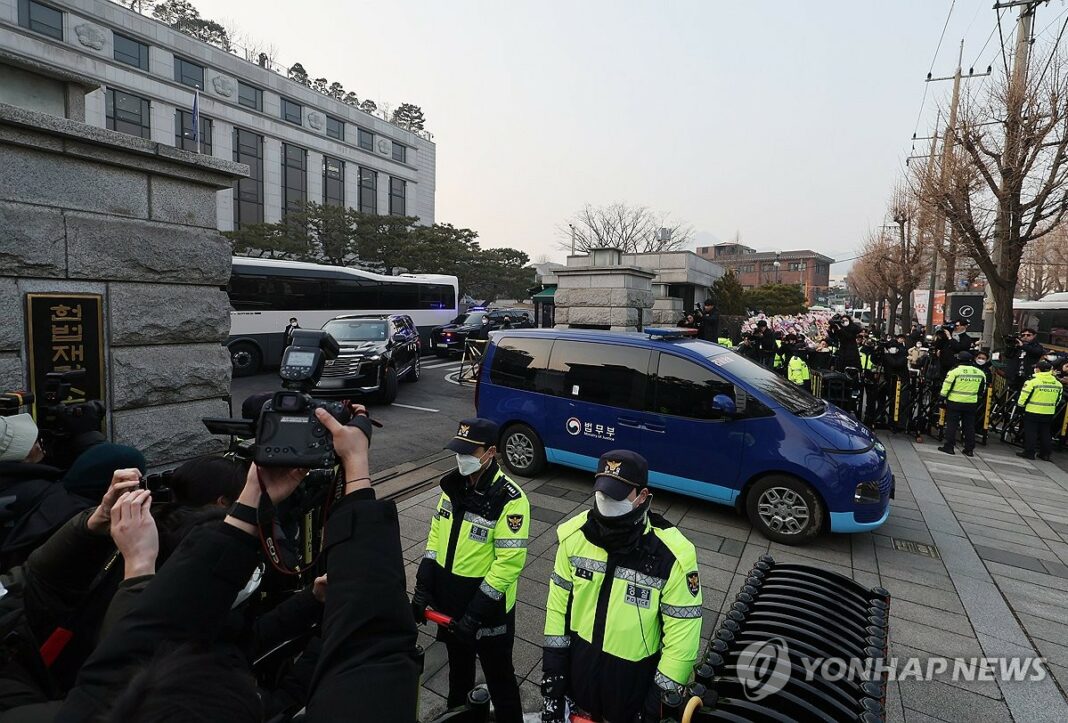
[(962, 389), (1039, 399), (475, 551), (797, 370), (623, 618)]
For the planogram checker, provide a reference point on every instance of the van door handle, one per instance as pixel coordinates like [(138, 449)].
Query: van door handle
[(628, 422), (656, 427)]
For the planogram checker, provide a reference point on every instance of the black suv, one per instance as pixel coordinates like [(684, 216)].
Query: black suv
[(476, 323), (376, 351)]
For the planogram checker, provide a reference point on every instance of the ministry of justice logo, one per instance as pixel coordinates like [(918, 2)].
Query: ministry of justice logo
[(574, 426), (764, 668)]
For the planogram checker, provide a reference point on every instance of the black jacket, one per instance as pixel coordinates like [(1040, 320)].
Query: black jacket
[(368, 669), (708, 329)]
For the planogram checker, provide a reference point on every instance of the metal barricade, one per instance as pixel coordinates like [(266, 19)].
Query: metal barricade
[(471, 362), (786, 617)]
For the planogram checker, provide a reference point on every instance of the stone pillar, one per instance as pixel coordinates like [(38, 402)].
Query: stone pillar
[(86, 210), (617, 298)]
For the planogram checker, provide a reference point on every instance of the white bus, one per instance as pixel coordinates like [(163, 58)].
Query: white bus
[(265, 294), (1048, 316)]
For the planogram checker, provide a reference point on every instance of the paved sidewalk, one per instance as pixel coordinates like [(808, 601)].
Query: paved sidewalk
[(975, 555)]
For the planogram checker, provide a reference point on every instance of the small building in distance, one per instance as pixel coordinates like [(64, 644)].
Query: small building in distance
[(805, 268)]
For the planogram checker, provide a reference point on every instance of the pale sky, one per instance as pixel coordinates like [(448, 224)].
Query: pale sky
[(785, 120)]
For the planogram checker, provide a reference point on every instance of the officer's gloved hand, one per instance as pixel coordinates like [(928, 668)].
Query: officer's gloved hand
[(466, 629), (553, 691), (420, 602)]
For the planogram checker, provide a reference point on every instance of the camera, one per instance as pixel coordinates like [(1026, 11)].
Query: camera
[(1011, 339), (288, 434), (159, 485), (58, 420)]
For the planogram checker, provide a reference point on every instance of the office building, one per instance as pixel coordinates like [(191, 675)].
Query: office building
[(299, 145), (808, 270)]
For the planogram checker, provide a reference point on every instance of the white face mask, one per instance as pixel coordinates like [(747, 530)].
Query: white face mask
[(610, 507), (468, 464), (980, 362)]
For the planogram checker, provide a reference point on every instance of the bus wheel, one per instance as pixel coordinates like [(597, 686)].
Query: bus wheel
[(523, 451), (246, 359), (785, 510), (388, 391)]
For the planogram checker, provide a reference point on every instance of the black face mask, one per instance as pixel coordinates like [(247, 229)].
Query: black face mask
[(617, 535)]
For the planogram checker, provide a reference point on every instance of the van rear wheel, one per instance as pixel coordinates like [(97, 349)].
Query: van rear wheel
[(785, 510), (524, 454)]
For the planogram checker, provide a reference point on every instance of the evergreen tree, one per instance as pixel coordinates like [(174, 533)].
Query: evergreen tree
[(409, 116), (299, 74), (729, 294)]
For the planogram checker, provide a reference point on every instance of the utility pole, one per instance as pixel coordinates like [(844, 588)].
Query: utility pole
[(947, 155), (1013, 121)]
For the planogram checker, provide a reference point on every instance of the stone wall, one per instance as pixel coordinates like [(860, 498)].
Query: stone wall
[(92, 211), (617, 297)]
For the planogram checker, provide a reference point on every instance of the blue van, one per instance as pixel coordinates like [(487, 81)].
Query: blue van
[(712, 424)]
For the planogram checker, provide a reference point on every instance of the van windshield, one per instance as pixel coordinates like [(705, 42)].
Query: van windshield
[(792, 397)]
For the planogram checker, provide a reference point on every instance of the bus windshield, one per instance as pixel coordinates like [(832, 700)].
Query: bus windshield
[(356, 329)]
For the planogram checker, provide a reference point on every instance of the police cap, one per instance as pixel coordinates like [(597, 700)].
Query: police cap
[(619, 472), (965, 357), (472, 434)]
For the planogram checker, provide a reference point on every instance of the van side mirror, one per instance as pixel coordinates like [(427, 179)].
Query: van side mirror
[(724, 405)]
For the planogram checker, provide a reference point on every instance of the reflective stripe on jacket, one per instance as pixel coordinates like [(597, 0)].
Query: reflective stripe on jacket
[(617, 624), (477, 547), (963, 384), (1041, 394)]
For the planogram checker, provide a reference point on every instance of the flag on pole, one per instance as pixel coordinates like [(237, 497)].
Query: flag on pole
[(196, 119)]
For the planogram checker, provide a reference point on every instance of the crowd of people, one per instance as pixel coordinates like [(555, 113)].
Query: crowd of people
[(128, 599), (950, 359)]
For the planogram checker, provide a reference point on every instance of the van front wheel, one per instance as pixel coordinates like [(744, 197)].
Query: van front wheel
[(785, 510), (524, 454)]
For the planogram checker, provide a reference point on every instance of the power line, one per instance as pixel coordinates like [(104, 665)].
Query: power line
[(930, 71), (1053, 51)]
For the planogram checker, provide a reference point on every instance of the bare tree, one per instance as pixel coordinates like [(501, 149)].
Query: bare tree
[(634, 229), (1007, 182), (1044, 267)]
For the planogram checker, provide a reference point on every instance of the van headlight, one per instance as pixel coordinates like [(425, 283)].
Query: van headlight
[(867, 493), (880, 448)]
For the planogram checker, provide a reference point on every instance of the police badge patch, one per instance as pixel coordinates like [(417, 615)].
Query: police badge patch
[(693, 582), (515, 522)]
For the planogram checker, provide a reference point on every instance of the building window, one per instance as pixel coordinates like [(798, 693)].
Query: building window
[(183, 133), (365, 139), (188, 73), (294, 178), (41, 18), (335, 128), (249, 96), (248, 192), (368, 191), (291, 111), (131, 52), (333, 181), (397, 189), (127, 113), (400, 153), (794, 266)]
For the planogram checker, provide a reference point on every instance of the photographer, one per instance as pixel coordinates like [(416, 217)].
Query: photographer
[(367, 670), (1023, 355)]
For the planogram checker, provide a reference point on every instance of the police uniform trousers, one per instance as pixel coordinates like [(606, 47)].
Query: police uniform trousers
[(1038, 434), (961, 415), (495, 654)]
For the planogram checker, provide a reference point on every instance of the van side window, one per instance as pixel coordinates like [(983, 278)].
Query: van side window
[(521, 364), (600, 373), (685, 389)]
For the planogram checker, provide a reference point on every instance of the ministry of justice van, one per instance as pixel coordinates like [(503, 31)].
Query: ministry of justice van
[(712, 424)]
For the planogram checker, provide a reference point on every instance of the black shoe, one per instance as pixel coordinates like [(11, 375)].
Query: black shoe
[(969, 453), (947, 450), (1025, 455)]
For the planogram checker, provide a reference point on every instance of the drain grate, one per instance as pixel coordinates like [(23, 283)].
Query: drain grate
[(916, 548)]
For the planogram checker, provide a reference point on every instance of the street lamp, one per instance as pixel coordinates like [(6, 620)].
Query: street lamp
[(776, 264)]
